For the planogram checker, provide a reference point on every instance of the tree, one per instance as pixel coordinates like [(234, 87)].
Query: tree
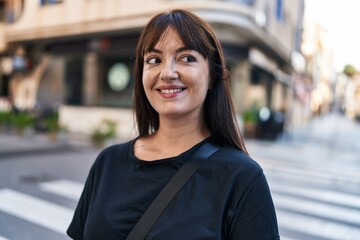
[(349, 70)]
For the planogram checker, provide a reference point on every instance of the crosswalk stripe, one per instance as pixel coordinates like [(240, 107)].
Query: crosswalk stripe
[(308, 170), (318, 209), (287, 238), (286, 178), (314, 213), (57, 218), (316, 227), (296, 172), (65, 188), (343, 199), (43, 213)]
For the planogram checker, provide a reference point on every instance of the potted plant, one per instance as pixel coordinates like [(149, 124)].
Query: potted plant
[(53, 127), (251, 119), (21, 121), (4, 120), (103, 133)]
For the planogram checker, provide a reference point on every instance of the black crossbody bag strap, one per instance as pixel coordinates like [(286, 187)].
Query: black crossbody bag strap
[(156, 208)]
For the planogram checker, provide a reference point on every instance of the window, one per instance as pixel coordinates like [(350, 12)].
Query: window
[(246, 2), (13, 10), (4, 87), (2, 10), (74, 81), (280, 11), (49, 2)]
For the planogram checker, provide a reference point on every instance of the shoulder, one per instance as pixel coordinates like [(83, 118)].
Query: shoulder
[(231, 163), (113, 153), (234, 157), (117, 148)]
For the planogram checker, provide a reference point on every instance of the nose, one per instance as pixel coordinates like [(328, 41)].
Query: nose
[(168, 71)]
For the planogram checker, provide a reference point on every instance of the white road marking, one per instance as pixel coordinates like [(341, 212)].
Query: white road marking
[(315, 171), (343, 199), (317, 227), (318, 209), (35, 210), (283, 237), (65, 188), (299, 173)]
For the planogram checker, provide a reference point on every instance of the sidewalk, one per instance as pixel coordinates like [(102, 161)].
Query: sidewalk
[(330, 138), (328, 134), (332, 130), (11, 144)]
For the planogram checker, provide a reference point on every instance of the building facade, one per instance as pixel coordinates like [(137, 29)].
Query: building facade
[(79, 55)]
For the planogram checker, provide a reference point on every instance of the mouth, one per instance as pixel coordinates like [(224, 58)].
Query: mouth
[(171, 90)]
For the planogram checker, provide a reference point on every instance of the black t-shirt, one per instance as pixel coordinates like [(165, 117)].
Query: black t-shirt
[(227, 198)]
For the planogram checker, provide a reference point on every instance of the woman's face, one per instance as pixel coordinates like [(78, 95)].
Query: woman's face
[(175, 78)]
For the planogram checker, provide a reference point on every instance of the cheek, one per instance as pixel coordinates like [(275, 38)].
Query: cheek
[(202, 86), (205, 81), (206, 76), (146, 80)]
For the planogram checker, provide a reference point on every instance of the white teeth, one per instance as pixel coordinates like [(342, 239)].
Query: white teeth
[(170, 91)]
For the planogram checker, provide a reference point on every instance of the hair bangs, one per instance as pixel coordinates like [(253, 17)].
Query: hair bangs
[(185, 25), (155, 31), (192, 34)]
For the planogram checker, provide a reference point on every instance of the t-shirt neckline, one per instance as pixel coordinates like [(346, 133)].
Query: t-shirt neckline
[(178, 158)]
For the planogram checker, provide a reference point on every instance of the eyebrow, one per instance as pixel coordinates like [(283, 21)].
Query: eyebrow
[(182, 49)]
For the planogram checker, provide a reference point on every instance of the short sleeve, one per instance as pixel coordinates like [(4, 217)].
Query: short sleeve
[(255, 216), (77, 225)]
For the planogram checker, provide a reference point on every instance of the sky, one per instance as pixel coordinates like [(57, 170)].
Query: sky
[(341, 18)]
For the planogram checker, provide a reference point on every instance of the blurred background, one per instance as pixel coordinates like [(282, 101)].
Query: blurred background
[(66, 79)]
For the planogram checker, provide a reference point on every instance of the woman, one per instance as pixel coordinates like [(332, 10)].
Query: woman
[(182, 101)]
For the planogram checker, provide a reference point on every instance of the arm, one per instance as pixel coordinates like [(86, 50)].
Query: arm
[(77, 225), (255, 216)]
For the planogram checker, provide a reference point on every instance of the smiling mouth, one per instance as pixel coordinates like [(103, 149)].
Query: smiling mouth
[(171, 91)]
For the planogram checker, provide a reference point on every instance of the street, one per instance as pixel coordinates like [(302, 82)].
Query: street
[(313, 174)]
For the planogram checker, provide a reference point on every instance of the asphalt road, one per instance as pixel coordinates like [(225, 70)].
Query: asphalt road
[(314, 178)]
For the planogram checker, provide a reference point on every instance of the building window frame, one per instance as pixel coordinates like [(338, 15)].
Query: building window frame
[(280, 16), (50, 2)]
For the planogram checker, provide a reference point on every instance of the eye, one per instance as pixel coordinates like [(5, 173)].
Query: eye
[(188, 59), (152, 60)]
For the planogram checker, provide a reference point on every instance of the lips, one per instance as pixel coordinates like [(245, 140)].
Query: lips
[(169, 90)]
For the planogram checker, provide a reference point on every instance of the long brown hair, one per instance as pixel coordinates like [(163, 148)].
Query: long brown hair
[(196, 34)]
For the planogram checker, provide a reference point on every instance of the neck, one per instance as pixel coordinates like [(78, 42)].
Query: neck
[(179, 136), (173, 137)]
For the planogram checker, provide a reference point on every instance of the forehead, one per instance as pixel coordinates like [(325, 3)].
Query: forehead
[(158, 36), (169, 37)]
